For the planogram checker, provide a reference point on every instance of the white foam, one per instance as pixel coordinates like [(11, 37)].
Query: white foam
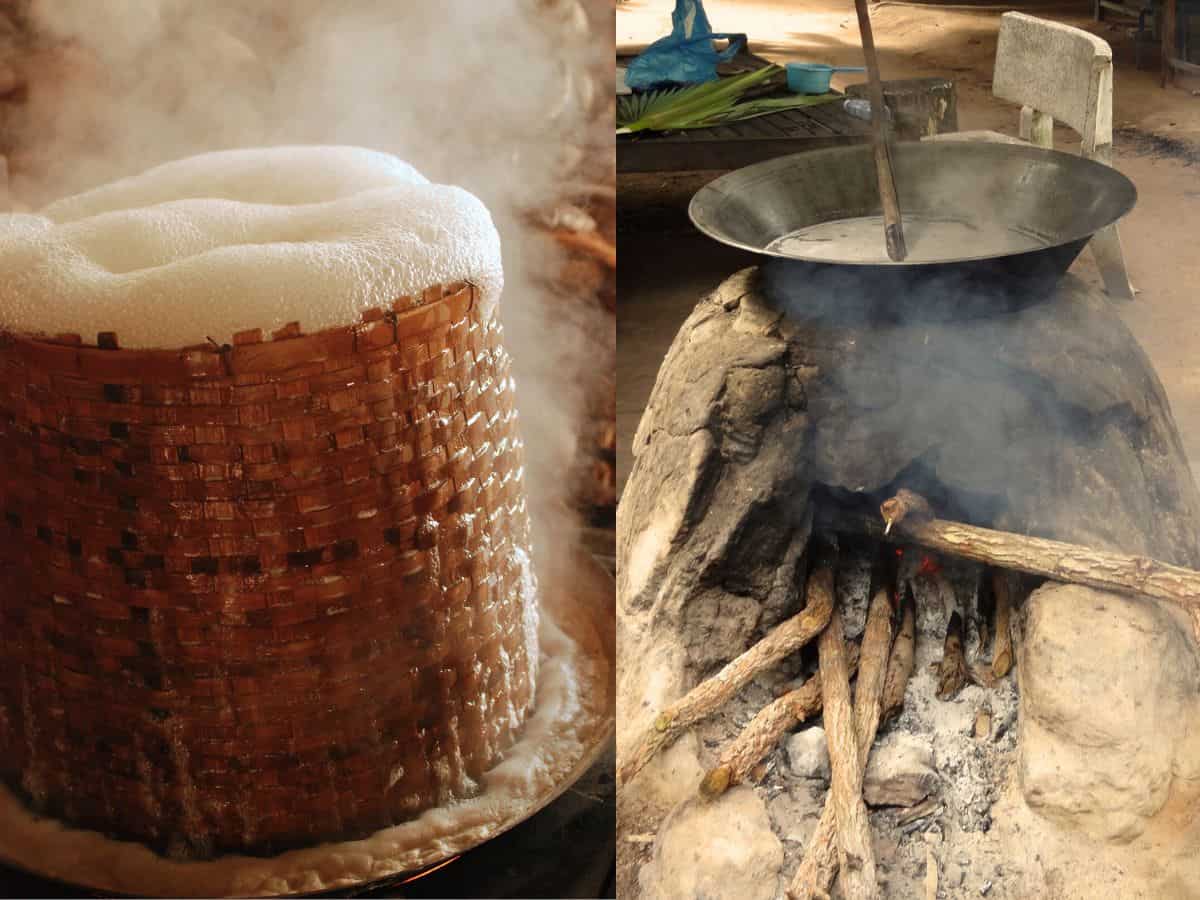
[(214, 244)]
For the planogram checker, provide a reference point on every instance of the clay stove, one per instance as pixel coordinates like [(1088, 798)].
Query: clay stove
[(780, 414)]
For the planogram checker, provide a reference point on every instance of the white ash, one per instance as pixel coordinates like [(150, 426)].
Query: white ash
[(971, 773)]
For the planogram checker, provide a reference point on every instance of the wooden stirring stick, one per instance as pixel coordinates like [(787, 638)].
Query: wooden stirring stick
[(893, 228)]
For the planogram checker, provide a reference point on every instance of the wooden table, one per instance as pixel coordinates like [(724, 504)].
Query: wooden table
[(741, 143)]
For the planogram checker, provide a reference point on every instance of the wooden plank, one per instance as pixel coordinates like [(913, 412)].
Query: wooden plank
[(735, 132), (1180, 65), (834, 117), (813, 124), (766, 126), (742, 143), (715, 154)]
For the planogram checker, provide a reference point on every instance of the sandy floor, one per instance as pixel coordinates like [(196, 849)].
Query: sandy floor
[(665, 268)]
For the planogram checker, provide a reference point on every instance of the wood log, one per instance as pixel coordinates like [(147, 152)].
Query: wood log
[(765, 730), (900, 663), (905, 505), (1059, 560), (952, 671), (1002, 649), (822, 860), (872, 670), (855, 854), (708, 696)]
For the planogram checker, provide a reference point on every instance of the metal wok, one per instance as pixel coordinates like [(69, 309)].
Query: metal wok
[(1056, 200)]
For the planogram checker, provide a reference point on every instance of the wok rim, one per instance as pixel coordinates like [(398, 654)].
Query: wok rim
[(1063, 239)]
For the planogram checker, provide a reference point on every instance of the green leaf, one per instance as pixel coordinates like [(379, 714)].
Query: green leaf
[(753, 108), (673, 109), (631, 107), (705, 105)]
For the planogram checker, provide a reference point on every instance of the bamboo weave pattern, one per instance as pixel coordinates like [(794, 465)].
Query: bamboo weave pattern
[(262, 595)]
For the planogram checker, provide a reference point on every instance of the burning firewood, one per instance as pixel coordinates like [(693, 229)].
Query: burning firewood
[(907, 517), (904, 505), (872, 670), (766, 730), (821, 862), (952, 671), (708, 696), (900, 663), (1002, 650), (844, 808)]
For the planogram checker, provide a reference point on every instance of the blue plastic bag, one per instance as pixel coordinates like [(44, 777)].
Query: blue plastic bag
[(686, 55)]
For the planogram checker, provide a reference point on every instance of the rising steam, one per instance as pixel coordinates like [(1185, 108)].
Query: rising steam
[(497, 97)]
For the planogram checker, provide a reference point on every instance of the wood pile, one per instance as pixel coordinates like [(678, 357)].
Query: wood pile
[(841, 846)]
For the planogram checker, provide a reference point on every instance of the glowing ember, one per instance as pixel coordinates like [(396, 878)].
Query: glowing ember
[(929, 565)]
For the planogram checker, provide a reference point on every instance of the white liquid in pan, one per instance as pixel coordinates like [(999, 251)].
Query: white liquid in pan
[(861, 240)]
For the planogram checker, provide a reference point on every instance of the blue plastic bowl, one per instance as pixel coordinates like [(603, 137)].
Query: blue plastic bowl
[(813, 78)]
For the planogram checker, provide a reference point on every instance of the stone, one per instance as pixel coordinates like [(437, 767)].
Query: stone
[(808, 753), (900, 772), (1110, 705), (672, 776), (716, 850)]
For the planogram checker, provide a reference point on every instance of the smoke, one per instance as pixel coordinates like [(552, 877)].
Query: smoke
[(496, 97)]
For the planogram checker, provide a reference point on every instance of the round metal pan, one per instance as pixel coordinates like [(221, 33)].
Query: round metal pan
[(1058, 199)]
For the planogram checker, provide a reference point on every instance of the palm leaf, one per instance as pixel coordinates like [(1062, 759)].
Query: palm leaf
[(631, 107), (753, 108), (705, 105), (673, 109)]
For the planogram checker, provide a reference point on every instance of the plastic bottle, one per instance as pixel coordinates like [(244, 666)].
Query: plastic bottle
[(861, 109)]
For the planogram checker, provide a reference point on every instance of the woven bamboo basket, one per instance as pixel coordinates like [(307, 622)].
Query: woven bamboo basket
[(262, 595)]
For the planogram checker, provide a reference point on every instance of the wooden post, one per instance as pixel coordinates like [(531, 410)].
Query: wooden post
[(1169, 42), (1037, 128)]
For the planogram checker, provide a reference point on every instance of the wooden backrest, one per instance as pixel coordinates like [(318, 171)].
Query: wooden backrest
[(1057, 71)]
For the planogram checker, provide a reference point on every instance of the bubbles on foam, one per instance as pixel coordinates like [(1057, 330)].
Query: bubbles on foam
[(214, 244), (286, 176)]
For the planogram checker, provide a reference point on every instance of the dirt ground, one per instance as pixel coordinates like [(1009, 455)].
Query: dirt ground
[(665, 267)]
